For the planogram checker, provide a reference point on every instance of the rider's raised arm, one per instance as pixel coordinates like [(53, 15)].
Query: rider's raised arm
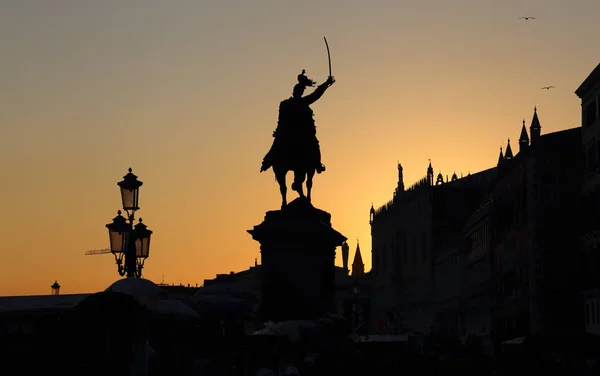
[(315, 95)]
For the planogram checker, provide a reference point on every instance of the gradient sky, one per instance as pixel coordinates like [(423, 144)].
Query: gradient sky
[(186, 93)]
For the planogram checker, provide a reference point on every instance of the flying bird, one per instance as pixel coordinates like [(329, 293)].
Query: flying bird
[(547, 87), (527, 18)]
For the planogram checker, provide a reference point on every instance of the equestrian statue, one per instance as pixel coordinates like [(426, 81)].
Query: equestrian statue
[(296, 147)]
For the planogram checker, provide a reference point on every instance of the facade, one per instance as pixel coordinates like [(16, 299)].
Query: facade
[(448, 272), (534, 241), (407, 233), (554, 262), (491, 255), (510, 245), (477, 287), (589, 93)]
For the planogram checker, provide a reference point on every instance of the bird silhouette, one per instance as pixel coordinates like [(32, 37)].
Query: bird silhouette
[(527, 18), (547, 87)]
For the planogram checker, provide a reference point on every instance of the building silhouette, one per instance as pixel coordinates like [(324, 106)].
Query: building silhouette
[(589, 93), (484, 255), (406, 234), (534, 285)]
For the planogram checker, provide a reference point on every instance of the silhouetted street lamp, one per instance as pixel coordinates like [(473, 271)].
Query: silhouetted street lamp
[(55, 288), (129, 244)]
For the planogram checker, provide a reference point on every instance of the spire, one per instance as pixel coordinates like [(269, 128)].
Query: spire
[(524, 138), (400, 187), (500, 157), (454, 177), (371, 214), (358, 267), (509, 153), (430, 174), (535, 129)]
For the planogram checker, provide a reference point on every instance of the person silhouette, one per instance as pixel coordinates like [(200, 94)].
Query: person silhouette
[(296, 132)]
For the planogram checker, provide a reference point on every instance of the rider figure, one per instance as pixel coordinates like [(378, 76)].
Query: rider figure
[(296, 126)]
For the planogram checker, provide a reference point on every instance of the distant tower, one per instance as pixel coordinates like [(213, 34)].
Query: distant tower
[(523, 139), (509, 154), (345, 254), (371, 214), (535, 129), (454, 177), (500, 157), (440, 179), (358, 268), (430, 174), (400, 187)]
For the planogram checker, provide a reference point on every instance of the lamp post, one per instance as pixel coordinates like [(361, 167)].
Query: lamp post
[(55, 288), (130, 244)]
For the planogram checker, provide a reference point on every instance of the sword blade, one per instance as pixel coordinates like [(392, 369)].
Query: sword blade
[(328, 55)]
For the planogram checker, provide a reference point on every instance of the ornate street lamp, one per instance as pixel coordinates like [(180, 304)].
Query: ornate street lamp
[(55, 288), (129, 244)]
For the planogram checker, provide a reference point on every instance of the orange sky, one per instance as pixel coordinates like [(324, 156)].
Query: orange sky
[(186, 93)]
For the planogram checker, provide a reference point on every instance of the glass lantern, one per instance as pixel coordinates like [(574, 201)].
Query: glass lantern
[(130, 188), (118, 232), (142, 240)]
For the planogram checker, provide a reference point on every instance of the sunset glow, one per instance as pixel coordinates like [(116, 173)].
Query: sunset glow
[(186, 94)]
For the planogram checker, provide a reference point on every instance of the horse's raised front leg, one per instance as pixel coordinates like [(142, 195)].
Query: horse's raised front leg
[(309, 184), (280, 177)]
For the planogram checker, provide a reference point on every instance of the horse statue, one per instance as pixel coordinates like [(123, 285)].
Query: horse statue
[(296, 147), (301, 174)]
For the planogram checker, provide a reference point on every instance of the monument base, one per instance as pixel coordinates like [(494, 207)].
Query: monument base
[(297, 247)]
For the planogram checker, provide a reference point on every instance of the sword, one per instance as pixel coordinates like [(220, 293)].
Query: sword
[(328, 55)]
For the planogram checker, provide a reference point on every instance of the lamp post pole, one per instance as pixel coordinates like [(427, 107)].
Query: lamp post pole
[(129, 244), (130, 256)]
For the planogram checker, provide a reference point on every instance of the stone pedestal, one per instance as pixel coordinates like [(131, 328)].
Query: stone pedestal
[(298, 262)]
